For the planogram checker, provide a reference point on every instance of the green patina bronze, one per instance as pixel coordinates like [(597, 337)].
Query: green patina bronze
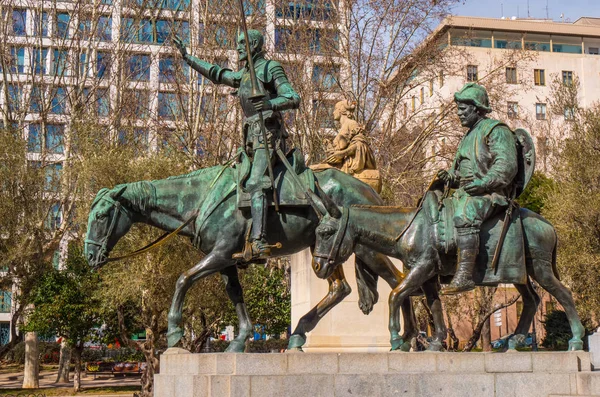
[(495, 241), (219, 228)]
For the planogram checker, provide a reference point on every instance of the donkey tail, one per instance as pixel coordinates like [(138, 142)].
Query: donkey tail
[(554, 268)]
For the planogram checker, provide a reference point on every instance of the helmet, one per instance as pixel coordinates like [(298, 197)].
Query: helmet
[(474, 94)]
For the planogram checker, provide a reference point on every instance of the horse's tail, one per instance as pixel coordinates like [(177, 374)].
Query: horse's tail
[(554, 268)]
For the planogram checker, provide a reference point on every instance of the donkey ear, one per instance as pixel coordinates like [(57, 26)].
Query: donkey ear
[(331, 207), (116, 194)]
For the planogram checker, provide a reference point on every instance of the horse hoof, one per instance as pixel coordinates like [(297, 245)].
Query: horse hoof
[(514, 342), (236, 346), (174, 337), (296, 342), (575, 345), (435, 346), (399, 344)]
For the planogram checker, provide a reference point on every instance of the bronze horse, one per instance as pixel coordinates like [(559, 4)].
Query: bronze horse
[(219, 231), (342, 230)]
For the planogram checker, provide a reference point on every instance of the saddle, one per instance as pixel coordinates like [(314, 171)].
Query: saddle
[(289, 194), (511, 266)]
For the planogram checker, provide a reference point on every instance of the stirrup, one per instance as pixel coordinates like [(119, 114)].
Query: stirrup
[(454, 289), (255, 251)]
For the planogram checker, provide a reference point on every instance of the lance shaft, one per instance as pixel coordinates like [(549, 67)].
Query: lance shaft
[(256, 94)]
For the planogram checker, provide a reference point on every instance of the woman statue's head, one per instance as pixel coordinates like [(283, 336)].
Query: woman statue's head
[(344, 108)]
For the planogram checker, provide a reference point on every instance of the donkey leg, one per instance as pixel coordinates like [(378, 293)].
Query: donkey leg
[(338, 290), (210, 264), (235, 293), (431, 290), (531, 300), (544, 275), (415, 279)]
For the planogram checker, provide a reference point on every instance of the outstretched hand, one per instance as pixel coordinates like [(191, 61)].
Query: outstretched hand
[(179, 45)]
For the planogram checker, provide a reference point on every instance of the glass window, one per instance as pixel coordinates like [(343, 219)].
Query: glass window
[(171, 105), (567, 77), (430, 87), (62, 25), (509, 44), (326, 77), (40, 26), (59, 101), (539, 76), (512, 110), (183, 30), (323, 113), (537, 46), (540, 111), (472, 73), (17, 59), (128, 31), (40, 57), (511, 75), (282, 35), (19, 18), (34, 138), (85, 29), (146, 32), (52, 174), (254, 7), (5, 306), (137, 103), (54, 218), (166, 68), (212, 111), (593, 51), (175, 5), (55, 138), (569, 113), (83, 64), (138, 67), (441, 78), (59, 62), (36, 100), (4, 326), (102, 64), (103, 101), (163, 30), (567, 48), (15, 94), (104, 28)]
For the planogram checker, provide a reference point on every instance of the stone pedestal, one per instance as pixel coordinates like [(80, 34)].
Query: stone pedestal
[(594, 343), (345, 328), (523, 374)]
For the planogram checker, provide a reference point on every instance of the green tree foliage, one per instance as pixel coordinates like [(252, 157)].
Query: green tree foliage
[(573, 207), (558, 331), (536, 192)]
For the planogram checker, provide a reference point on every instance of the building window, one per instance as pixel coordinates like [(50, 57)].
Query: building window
[(171, 105), (430, 87), (104, 28), (136, 103), (569, 113), (5, 304), (539, 76), (34, 138), (405, 109), (540, 111), (512, 110), (413, 103), (59, 101), (15, 94), (52, 174), (511, 75), (138, 67), (567, 77), (422, 95), (593, 51), (472, 73), (326, 78), (36, 99), (19, 19), (171, 70), (40, 26), (102, 101), (102, 64), (441, 79), (40, 56), (62, 25), (17, 55), (55, 134), (54, 218), (59, 62)]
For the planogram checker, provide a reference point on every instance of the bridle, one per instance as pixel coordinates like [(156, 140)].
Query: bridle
[(156, 243), (332, 256), (113, 222)]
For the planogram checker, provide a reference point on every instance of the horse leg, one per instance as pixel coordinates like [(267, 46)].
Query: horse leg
[(415, 279), (431, 290), (544, 275), (338, 290), (210, 264), (531, 300), (235, 293)]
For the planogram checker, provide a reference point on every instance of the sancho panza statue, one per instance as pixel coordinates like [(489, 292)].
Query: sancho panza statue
[(279, 95), (483, 173)]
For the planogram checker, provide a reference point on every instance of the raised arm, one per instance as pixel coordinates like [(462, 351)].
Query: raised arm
[(214, 73)]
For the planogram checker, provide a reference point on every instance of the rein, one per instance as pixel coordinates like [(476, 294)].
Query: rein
[(333, 254)]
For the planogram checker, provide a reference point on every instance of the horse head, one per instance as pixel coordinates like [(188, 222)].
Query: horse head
[(333, 243), (108, 221)]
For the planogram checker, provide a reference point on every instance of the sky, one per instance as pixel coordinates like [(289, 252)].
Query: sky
[(571, 9)]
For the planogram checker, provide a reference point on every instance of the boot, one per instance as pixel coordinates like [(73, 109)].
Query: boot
[(468, 248), (257, 247)]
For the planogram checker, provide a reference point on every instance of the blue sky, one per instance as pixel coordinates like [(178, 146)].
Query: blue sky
[(572, 9)]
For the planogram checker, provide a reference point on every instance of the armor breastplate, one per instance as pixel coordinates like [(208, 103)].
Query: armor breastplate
[(245, 91)]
